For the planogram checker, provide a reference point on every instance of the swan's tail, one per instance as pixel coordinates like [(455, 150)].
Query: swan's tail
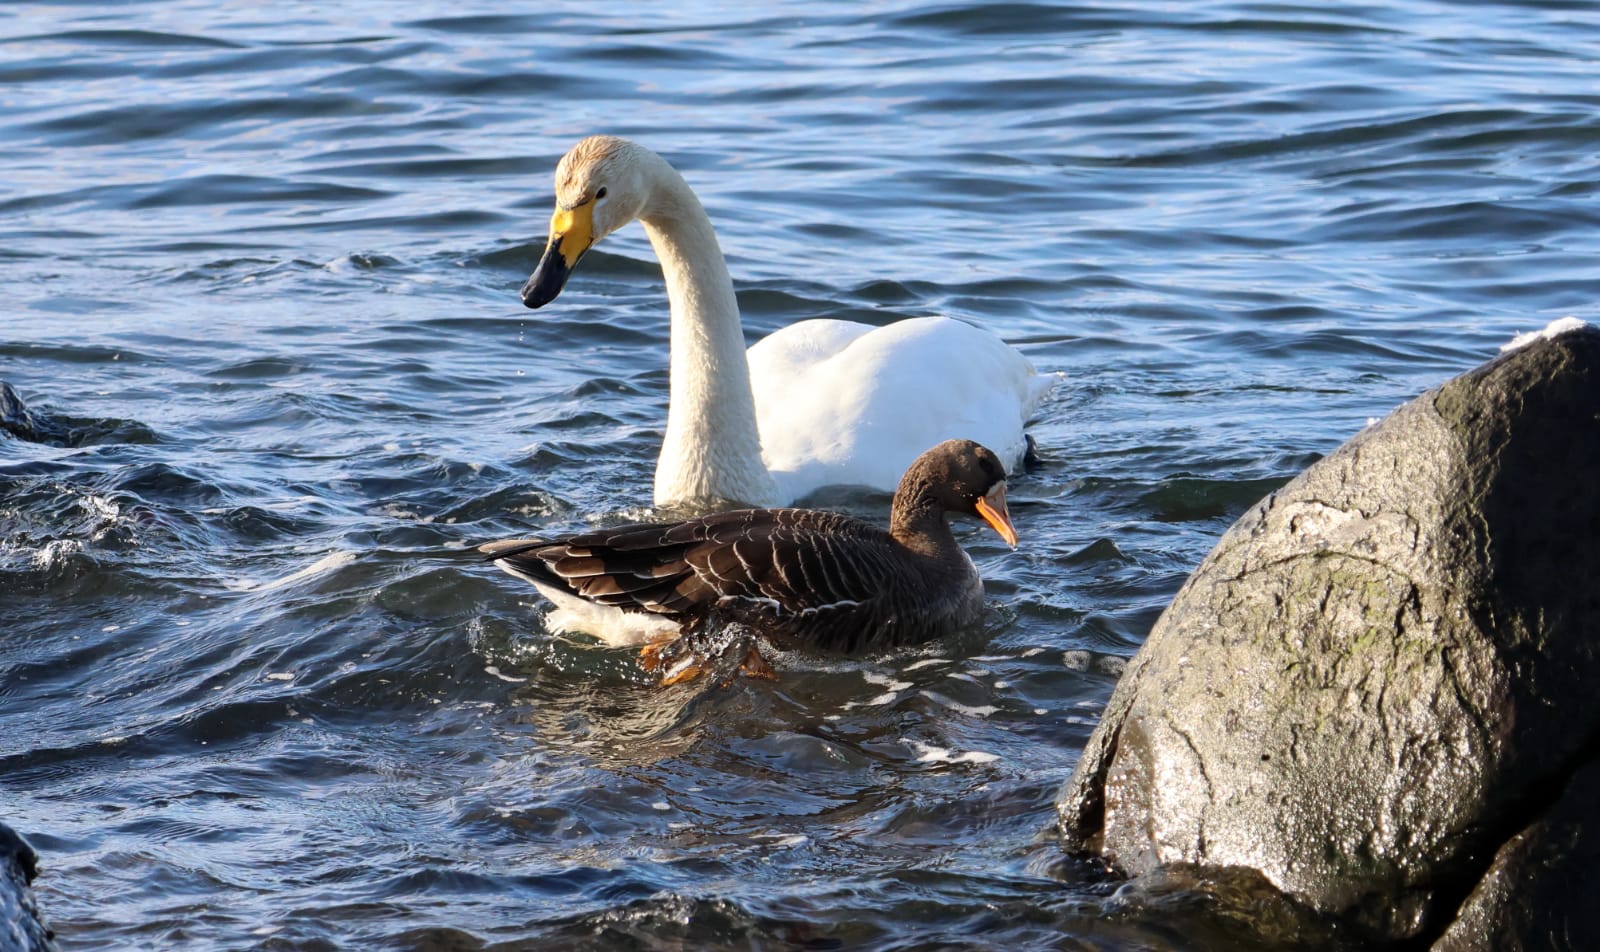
[(1040, 385)]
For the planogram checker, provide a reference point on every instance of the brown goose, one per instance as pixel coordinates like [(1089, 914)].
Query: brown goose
[(801, 577)]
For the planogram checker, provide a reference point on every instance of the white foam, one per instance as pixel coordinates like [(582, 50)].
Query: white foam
[(929, 754), (327, 563), (102, 507), (1551, 331), (982, 710), (884, 680), (786, 839), (52, 553), (395, 510)]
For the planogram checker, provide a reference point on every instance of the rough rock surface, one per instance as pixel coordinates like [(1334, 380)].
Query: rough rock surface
[(36, 426), (1381, 690), (21, 929), (22, 423), (1540, 890)]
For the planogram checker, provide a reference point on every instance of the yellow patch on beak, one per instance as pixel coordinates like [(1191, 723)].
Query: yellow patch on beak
[(992, 507), (573, 229)]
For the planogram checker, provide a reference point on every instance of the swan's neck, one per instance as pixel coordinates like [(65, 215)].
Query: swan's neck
[(712, 449)]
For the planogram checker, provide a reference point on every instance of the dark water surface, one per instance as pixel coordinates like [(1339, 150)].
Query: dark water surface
[(259, 269)]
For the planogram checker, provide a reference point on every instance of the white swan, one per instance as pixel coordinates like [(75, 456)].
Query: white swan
[(818, 403)]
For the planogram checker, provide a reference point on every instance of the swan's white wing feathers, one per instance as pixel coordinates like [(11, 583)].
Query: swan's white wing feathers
[(839, 402)]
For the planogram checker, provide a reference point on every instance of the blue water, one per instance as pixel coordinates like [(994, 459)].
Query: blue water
[(259, 266)]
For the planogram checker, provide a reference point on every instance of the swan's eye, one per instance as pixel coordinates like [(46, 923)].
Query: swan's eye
[(600, 194)]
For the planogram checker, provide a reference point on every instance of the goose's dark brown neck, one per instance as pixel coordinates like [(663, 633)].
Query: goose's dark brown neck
[(920, 524)]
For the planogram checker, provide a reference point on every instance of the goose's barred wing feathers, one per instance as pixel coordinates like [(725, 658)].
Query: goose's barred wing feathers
[(782, 561)]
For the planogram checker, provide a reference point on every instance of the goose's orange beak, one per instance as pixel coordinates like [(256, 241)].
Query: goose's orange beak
[(992, 507)]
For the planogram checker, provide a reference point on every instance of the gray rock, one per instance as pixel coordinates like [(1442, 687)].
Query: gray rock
[(1380, 689), (21, 422), (37, 426), (22, 929), (1537, 891)]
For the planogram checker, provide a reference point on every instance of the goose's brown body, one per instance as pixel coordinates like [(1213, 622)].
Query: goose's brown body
[(802, 577)]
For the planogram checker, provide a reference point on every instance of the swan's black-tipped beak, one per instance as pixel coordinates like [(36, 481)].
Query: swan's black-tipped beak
[(571, 234), (992, 507), (550, 276)]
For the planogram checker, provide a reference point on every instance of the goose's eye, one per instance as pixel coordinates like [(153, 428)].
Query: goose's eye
[(600, 194)]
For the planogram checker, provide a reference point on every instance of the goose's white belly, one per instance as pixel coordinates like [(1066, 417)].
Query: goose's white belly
[(613, 626)]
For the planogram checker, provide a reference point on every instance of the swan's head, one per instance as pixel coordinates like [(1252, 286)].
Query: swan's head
[(959, 476), (600, 186)]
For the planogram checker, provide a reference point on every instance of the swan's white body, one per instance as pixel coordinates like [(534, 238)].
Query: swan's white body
[(839, 402), (818, 403)]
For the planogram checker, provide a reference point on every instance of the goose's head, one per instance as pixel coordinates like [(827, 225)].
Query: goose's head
[(960, 476), (601, 185)]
